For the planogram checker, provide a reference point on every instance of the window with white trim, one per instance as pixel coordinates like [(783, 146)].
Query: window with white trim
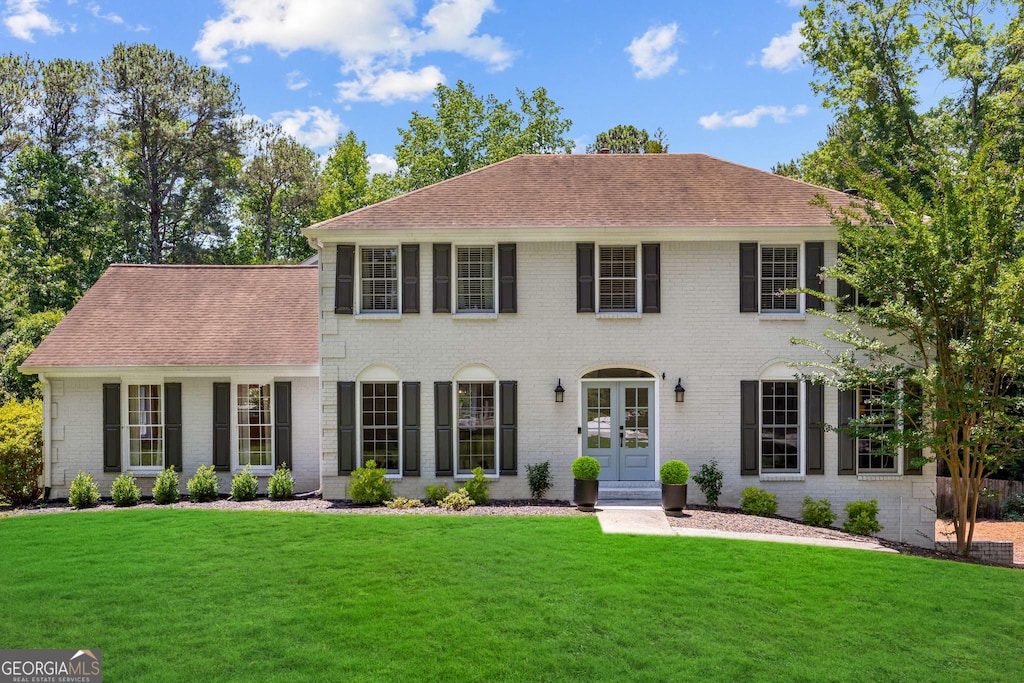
[(780, 271), (255, 426), (145, 425), (380, 425), (378, 279), (474, 280), (872, 456), (477, 443), (617, 279), (780, 426)]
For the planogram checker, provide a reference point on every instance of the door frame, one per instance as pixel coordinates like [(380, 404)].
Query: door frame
[(655, 377)]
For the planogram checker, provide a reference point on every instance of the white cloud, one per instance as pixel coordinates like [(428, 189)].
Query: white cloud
[(296, 81), (376, 40), (314, 127), (95, 10), (752, 118), (23, 18), (652, 53), (783, 52), (390, 86), (382, 163)]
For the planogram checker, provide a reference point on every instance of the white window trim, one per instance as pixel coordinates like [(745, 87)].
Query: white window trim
[(126, 442), (371, 378), (260, 470), (454, 280), (619, 314), (358, 294), (477, 374), (874, 475), (778, 475), (801, 309)]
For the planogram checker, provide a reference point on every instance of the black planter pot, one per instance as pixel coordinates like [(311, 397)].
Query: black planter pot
[(673, 499), (584, 494)]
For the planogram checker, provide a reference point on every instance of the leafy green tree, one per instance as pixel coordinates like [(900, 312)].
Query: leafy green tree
[(346, 177), (174, 132), (65, 106), (16, 76), (15, 346), (279, 191), (627, 139), (467, 132)]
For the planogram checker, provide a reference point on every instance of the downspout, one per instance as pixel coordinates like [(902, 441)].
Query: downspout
[(47, 431), (901, 519)]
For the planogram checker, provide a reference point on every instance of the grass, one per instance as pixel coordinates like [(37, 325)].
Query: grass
[(221, 595)]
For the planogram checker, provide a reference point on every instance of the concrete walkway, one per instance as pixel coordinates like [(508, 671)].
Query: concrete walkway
[(651, 521)]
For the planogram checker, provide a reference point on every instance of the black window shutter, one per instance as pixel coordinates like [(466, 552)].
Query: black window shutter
[(410, 278), (444, 433), (749, 403), (111, 427), (506, 278), (814, 253), (585, 277), (847, 443), (346, 427), (442, 278), (912, 421), (844, 291), (222, 425), (815, 428), (652, 278), (283, 425), (748, 277), (345, 280), (411, 429), (507, 397), (172, 425)]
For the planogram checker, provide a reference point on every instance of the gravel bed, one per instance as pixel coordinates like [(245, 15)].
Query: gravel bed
[(725, 519)]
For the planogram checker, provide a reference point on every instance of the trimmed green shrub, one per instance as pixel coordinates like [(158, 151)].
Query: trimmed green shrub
[(281, 483), (368, 485), (165, 488), (478, 488), (401, 503), (818, 512), (1013, 508), (21, 451), (538, 476), (205, 486), (757, 501), (244, 486), (436, 493), (675, 472), (458, 501), (586, 467), (862, 518), (84, 491), (124, 491), (709, 479)]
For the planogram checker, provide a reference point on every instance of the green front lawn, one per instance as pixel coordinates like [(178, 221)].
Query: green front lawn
[(214, 595)]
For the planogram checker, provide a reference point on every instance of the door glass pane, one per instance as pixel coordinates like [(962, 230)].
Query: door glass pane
[(636, 415), (599, 417)]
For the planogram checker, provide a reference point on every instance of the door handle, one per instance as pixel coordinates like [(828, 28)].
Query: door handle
[(621, 435)]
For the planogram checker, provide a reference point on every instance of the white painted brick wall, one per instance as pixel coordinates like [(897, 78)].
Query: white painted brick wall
[(699, 336)]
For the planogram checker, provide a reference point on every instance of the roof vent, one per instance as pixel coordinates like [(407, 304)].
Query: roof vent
[(852, 191), (604, 150)]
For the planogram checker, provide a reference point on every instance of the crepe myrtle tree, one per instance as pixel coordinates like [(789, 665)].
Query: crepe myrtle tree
[(931, 312)]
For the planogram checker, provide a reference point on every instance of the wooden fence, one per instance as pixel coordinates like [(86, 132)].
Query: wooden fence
[(989, 506)]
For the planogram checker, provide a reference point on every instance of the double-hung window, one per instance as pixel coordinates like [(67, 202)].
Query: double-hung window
[(474, 274), (145, 426), (255, 426), (617, 279), (780, 426), (477, 446), (872, 455), (780, 271), (380, 425), (378, 279)]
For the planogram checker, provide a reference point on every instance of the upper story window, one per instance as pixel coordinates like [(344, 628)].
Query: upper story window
[(780, 270), (474, 269), (378, 279), (145, 425), (617, 276), (255, 426), (871, 453), (780, 426)]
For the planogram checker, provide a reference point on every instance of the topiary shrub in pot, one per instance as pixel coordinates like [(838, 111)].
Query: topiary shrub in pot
[(585, 471), (674, 475)]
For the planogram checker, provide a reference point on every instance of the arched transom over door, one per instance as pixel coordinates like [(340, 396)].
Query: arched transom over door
[(618, 422)]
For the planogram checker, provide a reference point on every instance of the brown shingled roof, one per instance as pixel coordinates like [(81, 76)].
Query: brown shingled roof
[(137, 315), (602, 190)]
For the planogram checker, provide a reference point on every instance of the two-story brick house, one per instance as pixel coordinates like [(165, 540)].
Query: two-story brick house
[(628, 307)]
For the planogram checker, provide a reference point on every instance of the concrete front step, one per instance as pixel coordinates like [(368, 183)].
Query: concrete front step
[(630, 490)]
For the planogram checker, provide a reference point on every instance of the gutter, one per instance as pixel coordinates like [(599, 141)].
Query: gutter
[(47, 474)]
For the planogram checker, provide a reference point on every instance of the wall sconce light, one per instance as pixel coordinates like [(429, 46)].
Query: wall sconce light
[(680, 391), (559, 392)]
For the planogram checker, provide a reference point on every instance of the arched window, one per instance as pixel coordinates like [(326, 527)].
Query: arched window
[(380, 436), (476, 408), (781, 420)]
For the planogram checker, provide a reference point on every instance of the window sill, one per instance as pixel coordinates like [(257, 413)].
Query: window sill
[(619, 315), (782, 477), (393, 477), (262, 471), (143, 473), (470, 477), (880, 476), (378, 316), (475, 316), (781, 316)]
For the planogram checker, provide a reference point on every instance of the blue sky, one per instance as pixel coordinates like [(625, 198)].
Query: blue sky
[(723, 78)]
